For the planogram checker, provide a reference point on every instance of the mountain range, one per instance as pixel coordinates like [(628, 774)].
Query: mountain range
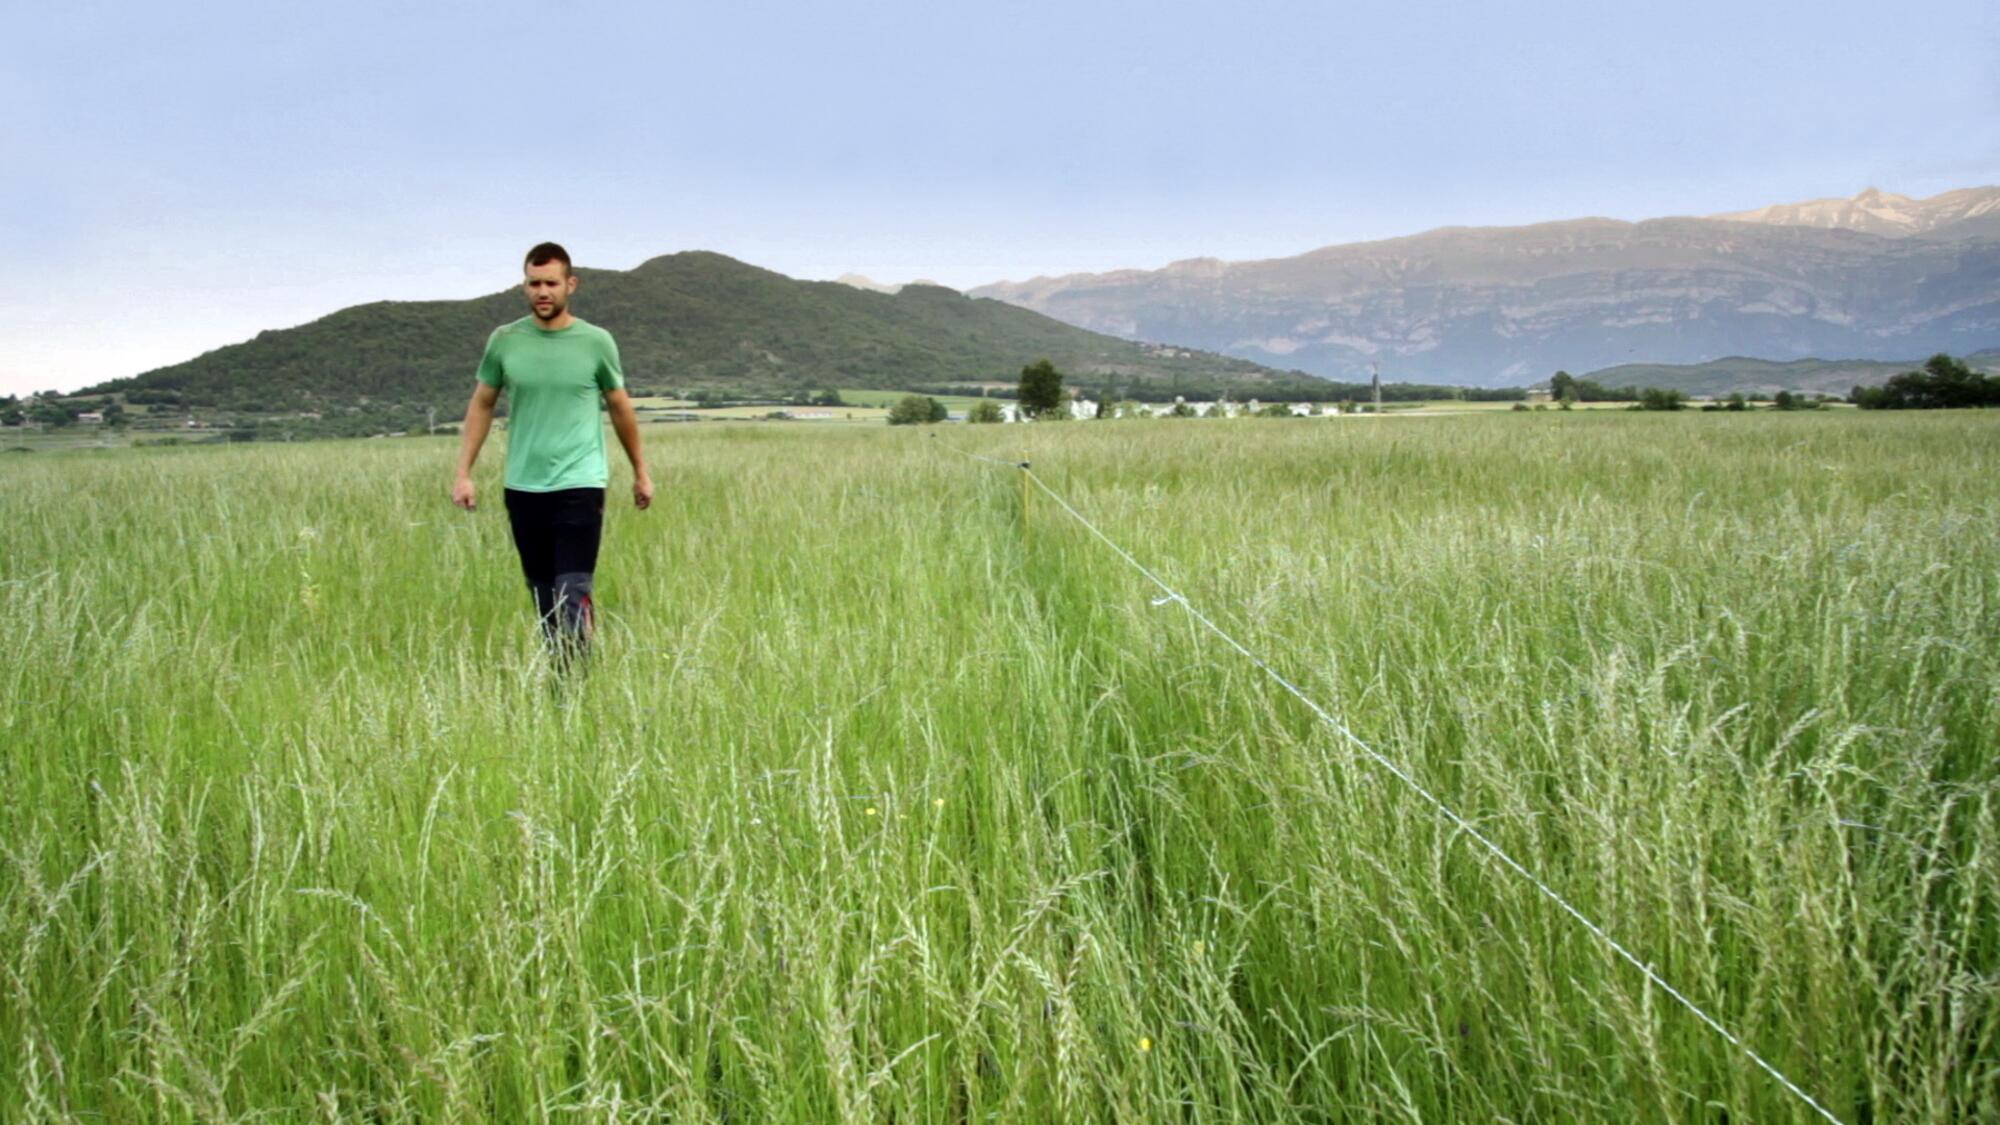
[(1875, 277), (1879, 279)]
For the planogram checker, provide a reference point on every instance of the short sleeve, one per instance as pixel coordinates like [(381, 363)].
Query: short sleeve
[(490, 371), (610, 372)]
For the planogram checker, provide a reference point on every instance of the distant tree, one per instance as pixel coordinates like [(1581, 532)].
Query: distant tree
[(985, 412), (48, 412), (1662, 398), (1944, 383), (1786, 400), (1563, 385), (1181, 410), (1869, 398), (913, 410), (1041, 390), (1275, 410), (114, 415), (1736, 402), (1590, 390), (827, 397), (12, 416)]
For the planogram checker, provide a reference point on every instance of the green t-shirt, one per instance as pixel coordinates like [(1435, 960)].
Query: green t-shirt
[(554, 381)]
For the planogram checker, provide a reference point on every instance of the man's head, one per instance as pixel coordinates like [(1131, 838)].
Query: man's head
[(548, 282)]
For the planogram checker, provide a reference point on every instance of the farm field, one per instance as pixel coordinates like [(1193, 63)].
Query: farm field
[(881, 802)]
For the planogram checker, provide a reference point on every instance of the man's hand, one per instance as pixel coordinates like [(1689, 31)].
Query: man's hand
[(625, 423), (478, 419)]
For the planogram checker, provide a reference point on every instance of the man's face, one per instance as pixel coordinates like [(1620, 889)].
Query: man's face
[(548, 288)]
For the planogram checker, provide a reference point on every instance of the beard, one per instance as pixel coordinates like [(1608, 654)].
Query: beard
[(549, 312)]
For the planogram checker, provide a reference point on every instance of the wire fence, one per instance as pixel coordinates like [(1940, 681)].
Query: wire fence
[(1170, 594)]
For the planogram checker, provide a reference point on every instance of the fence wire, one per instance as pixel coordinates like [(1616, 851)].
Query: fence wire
[(1170, 594)]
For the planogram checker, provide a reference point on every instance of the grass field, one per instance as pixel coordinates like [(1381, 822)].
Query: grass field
[(878, 805)]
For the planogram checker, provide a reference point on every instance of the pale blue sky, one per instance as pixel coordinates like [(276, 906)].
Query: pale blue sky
[(177, 180)]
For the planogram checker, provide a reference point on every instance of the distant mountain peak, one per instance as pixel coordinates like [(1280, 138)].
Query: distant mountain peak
[(1874, 211), (859, 281)]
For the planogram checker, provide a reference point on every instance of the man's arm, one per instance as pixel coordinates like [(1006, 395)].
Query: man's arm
[(625, 423), (478, 420)]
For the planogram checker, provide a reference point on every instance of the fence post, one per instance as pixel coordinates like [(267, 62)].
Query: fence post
[(1026, 502)]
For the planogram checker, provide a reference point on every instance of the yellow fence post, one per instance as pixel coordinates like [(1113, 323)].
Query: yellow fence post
[(1026, 498)]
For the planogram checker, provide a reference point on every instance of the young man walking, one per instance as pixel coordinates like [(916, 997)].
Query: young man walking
[(554, 368)]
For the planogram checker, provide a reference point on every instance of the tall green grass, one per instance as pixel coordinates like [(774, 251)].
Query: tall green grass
[(872, 806)]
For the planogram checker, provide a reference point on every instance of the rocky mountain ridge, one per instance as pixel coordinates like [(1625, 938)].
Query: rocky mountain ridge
[(1490, 306), (1875, 211)]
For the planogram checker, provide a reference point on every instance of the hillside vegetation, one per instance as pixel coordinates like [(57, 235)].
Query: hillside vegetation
[(684, 322)]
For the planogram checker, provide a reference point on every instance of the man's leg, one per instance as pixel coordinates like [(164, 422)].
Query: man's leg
[(534, 538), (578, 522)]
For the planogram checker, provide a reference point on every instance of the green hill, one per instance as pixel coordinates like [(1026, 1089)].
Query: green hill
[(686, 322), (1763, 376)]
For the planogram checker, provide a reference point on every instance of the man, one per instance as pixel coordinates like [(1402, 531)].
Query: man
[(554, 366)]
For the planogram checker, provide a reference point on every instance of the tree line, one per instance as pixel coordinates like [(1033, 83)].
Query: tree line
[(1944, 383)]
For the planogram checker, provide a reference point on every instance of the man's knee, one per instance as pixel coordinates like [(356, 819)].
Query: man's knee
[(573, 598), (545, 599)]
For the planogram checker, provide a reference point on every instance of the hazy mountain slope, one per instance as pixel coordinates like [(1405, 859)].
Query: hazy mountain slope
[(1765, 377), (1499, 305), (1755, 376)]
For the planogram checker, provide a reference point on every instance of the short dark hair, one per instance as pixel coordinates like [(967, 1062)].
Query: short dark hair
[(546, 252)]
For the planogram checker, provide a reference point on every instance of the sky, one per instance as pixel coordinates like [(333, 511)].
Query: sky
[(176, 178)]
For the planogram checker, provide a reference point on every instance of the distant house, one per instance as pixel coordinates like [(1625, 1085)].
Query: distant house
[(90, 416), (1076, 406), (1541, 392)]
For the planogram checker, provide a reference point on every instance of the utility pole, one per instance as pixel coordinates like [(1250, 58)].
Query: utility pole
[(1376, 382)]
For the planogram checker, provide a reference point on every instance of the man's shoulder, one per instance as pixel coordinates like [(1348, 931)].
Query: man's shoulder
[(511, 328), (595, 332)]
